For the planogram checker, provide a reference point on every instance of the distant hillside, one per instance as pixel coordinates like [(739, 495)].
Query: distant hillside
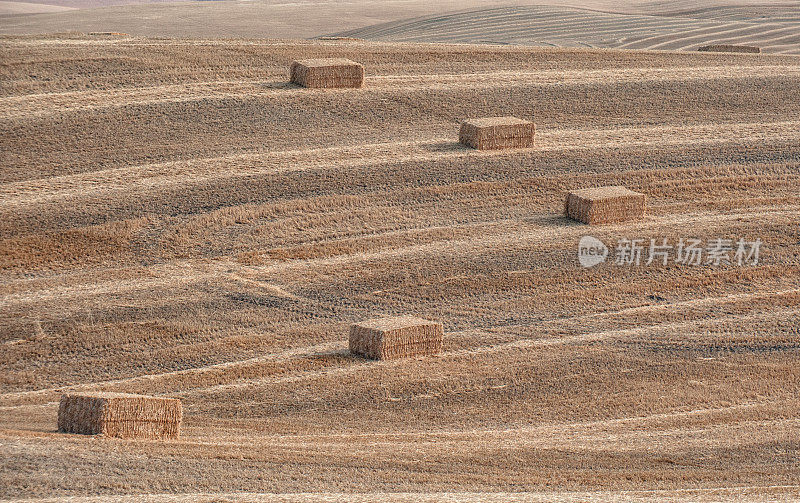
[(671, 26), (15, 8), (62, 5), (230, 18)]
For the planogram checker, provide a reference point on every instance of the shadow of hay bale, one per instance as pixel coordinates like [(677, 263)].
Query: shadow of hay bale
[(446, 146), (280, 85)]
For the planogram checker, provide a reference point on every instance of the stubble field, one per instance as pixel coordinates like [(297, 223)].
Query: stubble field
[(177, 220)]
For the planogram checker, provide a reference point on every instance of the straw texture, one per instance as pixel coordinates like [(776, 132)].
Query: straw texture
[(604, 205), (497, 133), (120, 415), (730, 48), (399, 337), (327, 73)]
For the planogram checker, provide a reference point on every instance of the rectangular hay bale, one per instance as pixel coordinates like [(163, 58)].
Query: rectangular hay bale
[(605, 205), (327, 73), (122, 415), (497, 133), (730, 48), (396, 337)]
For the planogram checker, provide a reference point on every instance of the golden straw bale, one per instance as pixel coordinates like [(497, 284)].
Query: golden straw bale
[(327, 73), (603, 205), (120, 415), (397, 337), (497, 133)]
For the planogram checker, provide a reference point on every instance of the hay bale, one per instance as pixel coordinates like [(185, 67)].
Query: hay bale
[(497, 133), (605, 205), (120, 415), (398, 337), (730, 48), (327, 73)]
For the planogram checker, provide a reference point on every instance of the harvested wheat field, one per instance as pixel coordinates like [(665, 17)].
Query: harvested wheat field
[(178, 220)]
